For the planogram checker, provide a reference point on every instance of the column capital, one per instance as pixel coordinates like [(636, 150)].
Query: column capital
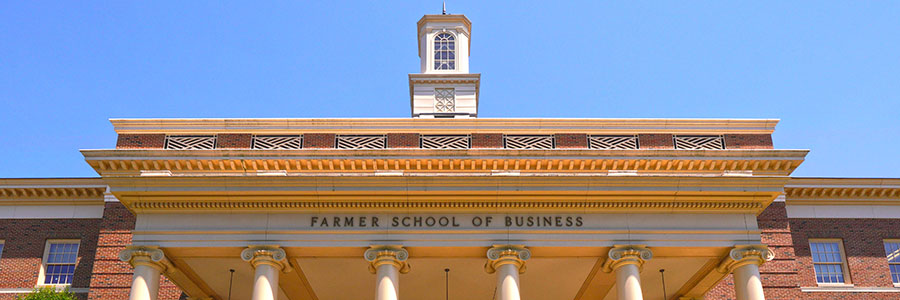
[(150, 256), (507, 254), (621, 255), (266, 255), (742, 255), (378, 255)]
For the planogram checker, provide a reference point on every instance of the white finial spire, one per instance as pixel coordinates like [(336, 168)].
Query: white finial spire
[(444, 12)]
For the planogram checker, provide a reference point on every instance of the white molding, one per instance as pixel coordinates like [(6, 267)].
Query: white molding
[(843, 211), (52, 212), (446, 126), (849, 289)]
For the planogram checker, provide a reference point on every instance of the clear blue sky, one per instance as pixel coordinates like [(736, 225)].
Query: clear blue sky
[(829, 70)]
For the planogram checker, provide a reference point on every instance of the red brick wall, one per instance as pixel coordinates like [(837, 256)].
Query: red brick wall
[(792, 267), (141, 141), (98, 266), (318, 140), (111, 277), (748, 141), (487, 140), (656, 141), (23, 251), (403, 140), (571, 140), (863, 244), (234, 140)]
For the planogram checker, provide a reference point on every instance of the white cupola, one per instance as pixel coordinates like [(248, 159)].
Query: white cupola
[(444, 88)]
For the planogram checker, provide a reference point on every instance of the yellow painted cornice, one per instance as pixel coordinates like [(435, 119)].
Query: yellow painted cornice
[(51, 191), (843, 191), (496, 194), (445, 126), (310, 161)]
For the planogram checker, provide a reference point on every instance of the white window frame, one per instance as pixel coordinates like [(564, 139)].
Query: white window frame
[(844, 267), (2, 247), (887, 241), (434, 50), (41, 278)]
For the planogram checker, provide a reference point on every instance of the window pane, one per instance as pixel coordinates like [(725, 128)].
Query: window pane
[(61, 260), (892, 249), (826, 252), (827, 262), (444, 51), (895, 273)]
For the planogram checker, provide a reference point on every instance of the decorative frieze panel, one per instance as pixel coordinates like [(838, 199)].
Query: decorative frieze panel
[(190, 142), (528, 142), (445, 142), (699, 142), (281, 142), (360, 142), (613, 142), (450, 141), (444, 100)]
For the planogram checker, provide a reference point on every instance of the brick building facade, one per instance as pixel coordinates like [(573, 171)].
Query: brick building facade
[(465, 207)]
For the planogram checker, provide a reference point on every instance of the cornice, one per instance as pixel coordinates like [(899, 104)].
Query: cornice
[(464, 194), (52, 191), (843, 191), (409, 161), (445, 126)]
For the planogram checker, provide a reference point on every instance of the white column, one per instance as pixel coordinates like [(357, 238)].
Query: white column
[(507, 261), (144, 283), (744, 261), (627, 261), (747, 285), (268, 262), (148, 262), (387, 262)]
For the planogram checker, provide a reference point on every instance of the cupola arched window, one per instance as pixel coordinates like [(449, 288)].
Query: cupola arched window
[(444, 51)]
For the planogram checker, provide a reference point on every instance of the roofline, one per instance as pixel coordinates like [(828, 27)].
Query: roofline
[(842, 182), (51, 182), (464, 125)]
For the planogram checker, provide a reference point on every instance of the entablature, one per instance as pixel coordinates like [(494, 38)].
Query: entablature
[(413, 161), (495, 194)]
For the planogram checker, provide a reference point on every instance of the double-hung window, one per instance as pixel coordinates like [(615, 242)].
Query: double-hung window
[(892, 249), (828, 261), (60, 257)]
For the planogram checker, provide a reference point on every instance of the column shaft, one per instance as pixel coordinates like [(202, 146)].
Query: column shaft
[(628, 282), (387, 262), (144, 283), (268, 262), (747, 284), (265, 282), (508, 282), (387, 284)]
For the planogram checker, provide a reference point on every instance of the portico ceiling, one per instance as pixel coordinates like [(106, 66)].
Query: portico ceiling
[(574, 276)]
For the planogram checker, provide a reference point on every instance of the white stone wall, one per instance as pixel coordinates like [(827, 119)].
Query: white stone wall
[(423, 98)]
